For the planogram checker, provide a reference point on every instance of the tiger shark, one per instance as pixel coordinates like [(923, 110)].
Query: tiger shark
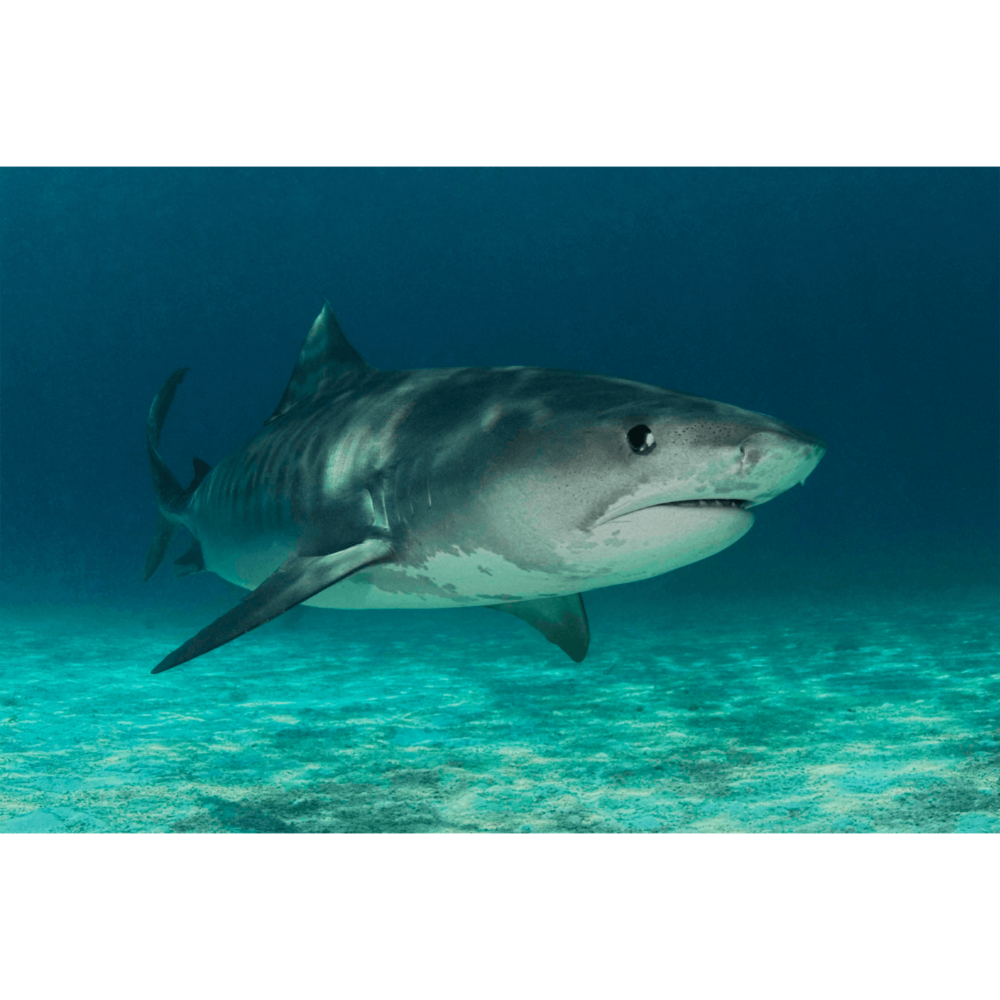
[(513, 488)]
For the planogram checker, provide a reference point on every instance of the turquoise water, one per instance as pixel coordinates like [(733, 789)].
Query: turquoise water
[(839, 711)]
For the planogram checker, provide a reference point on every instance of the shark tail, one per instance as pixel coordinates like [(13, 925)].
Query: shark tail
[(163, 535), (171, 497)]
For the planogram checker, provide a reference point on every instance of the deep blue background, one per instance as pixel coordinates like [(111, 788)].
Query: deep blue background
[(861, 305)]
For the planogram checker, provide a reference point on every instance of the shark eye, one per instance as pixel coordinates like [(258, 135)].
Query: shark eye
[(641, 440)]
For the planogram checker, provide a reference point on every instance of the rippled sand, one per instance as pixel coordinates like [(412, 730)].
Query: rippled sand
[(827, 712)]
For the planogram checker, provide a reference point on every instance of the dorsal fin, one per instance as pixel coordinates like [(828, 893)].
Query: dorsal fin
[(326, 357)]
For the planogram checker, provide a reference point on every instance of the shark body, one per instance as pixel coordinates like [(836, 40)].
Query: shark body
[(513, 488)]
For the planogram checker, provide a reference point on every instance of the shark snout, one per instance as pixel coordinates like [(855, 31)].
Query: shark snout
[(773, 461)]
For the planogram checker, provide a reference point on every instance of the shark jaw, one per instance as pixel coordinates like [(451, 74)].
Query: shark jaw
[(645, 499), (652, 539), (712, 504)]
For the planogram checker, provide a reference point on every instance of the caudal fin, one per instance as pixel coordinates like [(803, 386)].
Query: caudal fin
[(171, 497), (163, 534), (165, 486)]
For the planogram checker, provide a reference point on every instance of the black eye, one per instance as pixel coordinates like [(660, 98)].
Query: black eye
[(641, 440)]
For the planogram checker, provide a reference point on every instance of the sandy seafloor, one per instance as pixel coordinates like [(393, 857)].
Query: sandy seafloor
[(842, 711)]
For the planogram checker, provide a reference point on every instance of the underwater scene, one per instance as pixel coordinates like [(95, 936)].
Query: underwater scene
[(720, 443)]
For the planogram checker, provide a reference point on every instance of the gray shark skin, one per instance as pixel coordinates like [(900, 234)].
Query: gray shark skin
[(512, 488)]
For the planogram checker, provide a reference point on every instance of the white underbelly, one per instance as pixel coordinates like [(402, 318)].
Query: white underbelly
[(633, 547), (445, 580)]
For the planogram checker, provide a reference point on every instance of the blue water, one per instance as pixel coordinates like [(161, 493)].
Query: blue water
[(836, 670)]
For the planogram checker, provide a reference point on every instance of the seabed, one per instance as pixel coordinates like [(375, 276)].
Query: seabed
[(841, 711)]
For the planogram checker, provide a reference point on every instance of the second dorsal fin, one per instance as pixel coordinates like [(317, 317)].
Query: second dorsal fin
[(325, 358)]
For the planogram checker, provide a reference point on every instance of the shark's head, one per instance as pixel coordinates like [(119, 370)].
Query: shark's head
[(602, 481)]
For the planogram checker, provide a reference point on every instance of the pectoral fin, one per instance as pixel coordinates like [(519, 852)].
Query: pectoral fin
[(296, 580), (562, 620)]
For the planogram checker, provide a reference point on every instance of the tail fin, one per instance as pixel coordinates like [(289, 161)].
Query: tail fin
[(163, 535), (171, 498), (166, 488)]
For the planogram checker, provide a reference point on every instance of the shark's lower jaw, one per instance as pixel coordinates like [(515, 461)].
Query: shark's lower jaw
[(735, 504)]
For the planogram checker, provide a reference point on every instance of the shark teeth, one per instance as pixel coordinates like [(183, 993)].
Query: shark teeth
[(706, 503)]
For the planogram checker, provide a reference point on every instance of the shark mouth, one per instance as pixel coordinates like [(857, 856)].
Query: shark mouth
[(737, 504), (717, 504)]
